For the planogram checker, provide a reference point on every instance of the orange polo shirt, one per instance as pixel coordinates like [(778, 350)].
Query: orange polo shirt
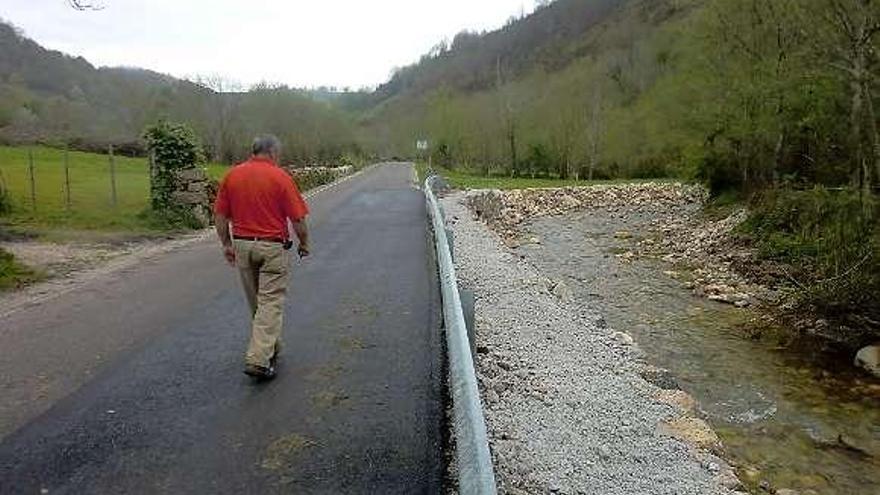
[(258, 197)]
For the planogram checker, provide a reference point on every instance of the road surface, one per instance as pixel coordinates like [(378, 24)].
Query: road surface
[(134, 384)]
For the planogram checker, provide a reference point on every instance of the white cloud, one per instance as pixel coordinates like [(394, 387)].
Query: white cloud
[(300, 43)]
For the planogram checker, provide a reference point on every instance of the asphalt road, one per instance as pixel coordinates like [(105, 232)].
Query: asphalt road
[(134, 384)]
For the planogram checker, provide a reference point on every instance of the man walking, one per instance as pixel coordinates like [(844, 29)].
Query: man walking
[(259, 199)]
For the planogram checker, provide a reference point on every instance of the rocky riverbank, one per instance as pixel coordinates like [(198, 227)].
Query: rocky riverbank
[(702, 248), (571, 406), (702, 252), (787, 420)]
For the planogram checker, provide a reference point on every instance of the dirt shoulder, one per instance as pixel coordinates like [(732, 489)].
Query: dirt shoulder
[(68, 266)]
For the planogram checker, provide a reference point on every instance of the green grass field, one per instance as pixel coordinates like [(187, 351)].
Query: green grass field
[(464, 179), (91, 206)]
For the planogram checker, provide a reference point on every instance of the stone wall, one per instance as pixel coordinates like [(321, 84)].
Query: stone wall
[(193, 191)]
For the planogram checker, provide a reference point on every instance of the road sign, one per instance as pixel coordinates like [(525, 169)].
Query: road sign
[(422, 144)]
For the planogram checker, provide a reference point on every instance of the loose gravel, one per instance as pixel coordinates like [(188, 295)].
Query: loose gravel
[(566, 408)]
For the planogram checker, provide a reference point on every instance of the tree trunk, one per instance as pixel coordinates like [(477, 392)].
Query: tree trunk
[(856, 122), (511, 136), (872, 165)]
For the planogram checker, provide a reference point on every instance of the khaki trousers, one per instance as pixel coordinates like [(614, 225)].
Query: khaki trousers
[(264, 269)]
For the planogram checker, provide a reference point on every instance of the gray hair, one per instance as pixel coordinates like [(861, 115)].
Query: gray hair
[(266, 144)]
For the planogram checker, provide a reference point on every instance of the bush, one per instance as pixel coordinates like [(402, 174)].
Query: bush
[(538, 160), (721, 173), (13, 274), (5, 197), (312, 177), (170, 219), (832, 241), (173, 147)]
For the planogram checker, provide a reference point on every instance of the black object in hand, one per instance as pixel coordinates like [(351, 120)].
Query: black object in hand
[(287, 245)]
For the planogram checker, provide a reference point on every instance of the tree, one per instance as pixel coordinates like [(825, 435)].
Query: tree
[(594, 130), (81, 5), (854, 24)]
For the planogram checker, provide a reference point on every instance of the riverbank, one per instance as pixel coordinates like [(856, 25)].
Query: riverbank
[(571, 406), (702, 251), (789, 417)]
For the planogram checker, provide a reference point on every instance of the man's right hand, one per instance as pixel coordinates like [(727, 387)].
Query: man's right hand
[(229, 254), (303, 250)]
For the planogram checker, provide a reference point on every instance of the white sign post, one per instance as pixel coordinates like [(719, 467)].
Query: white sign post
[(422, 145)]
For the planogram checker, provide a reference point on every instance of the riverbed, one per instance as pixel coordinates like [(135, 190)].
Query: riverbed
[(791, 413)]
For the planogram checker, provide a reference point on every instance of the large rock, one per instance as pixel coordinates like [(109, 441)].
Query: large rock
[(196, 187), (868, 358), (188, 198), (692, 431), (190, 175), (679, 399)]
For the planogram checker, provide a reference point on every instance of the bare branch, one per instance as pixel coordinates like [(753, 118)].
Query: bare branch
[(84, 5)]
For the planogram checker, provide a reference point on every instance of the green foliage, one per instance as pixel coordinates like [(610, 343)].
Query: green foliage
[(172, 147), (310, 178), (833, 240), (50, 98), (12, 273), (169, 219), (5, 197)]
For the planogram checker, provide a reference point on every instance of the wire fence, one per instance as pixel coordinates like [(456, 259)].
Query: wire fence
[(50, 185)]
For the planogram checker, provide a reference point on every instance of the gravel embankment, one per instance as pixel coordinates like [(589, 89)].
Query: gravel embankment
[(566, 407)]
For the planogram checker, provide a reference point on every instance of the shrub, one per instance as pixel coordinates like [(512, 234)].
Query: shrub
[(831, 238), (13, 274), (311, 177), (173, 147), (5, 197)]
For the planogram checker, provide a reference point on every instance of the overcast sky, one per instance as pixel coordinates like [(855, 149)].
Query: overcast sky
[(340, 43)]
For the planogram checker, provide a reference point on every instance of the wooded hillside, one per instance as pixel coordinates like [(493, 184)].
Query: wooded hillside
[(773, 102), (50, 97)]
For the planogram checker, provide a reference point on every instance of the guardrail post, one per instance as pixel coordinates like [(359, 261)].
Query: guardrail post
[(450, 241), (468, 308)]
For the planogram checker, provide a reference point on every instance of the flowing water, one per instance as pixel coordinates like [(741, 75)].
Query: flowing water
[(790, 415)]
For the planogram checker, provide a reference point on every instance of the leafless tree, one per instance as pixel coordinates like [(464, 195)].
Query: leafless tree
[(856, 23), (84, 5)]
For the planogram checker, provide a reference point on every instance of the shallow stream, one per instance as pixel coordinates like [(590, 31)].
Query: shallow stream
[(789, 415)]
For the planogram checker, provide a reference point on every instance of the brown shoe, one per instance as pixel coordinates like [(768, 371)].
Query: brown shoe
[(259, 372)]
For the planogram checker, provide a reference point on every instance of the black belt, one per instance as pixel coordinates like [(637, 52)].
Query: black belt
[(259, 239)]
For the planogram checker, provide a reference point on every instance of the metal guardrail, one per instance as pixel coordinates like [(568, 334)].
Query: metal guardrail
[(475, 473)]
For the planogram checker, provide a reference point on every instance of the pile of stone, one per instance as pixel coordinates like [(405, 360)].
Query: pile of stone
[(703, 249), (708, 250), (311, 177), (194, 192), (506, 210)]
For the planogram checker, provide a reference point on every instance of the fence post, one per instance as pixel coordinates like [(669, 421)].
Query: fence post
[(33, 182), (151, 161), (112, 177), (66, 178)]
